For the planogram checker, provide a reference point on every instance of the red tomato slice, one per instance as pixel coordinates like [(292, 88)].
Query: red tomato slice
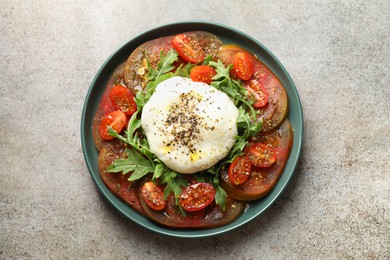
[(122, 99), (257, 93), (209, 217), (116, 120), (239, 170), (153, 196), (242, 65), (202, 74), (116, 182), (188, 48), (261, 155), (135, 70), (197, 196), (105, 106), (261, 181), (276, 109)]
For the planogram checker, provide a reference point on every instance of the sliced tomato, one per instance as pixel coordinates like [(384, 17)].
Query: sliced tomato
[(276, 109), (209, 217), (197, 196), (105, 106), (136, 69), (188, 48), (261, 180), (202, 73), (117, 182), (116, 120), (122, 99), (242, 65), (257, 93), (239, 170), (153, 195), (261, 155)]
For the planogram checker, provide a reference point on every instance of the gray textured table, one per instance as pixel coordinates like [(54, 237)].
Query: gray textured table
[(337, 53)]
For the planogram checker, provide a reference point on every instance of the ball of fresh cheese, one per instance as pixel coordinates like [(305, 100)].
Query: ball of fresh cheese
[(190, 126)]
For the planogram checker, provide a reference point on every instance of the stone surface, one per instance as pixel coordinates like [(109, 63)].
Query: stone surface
[(337, 53)]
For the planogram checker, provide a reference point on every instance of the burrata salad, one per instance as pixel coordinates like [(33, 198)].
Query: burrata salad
[(190, 129)]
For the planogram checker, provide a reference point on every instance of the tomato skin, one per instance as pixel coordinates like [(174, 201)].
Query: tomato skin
[(239, 170), (153, 196), (242, 65), (257, 93), (261, 155), (135, 69), (209, 217), (203, 73), (276, 109), (188, 48), (105, 106), (116, 120), (197, 196), (262, 180), (122, 99), (116, 182)]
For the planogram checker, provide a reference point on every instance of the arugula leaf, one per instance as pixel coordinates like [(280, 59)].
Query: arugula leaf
[(115, 134), (184, 71), (220, 197), (158, 171), (207, 59), (174, 183), (140, 100), (237, 149), (165, 64), (222, 71), (134, 124), (151, 85), (135, 163)]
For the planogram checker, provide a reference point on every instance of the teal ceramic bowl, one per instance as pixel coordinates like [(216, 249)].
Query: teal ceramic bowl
[(227, 35)]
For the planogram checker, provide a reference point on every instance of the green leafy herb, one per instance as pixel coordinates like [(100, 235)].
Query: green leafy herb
[(207, 60), (174, 183), (135, 163), (133, 138), (165, 64), (220, 197), (184, 71)]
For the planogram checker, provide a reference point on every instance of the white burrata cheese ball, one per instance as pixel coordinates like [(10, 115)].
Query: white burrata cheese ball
[(190, 126)]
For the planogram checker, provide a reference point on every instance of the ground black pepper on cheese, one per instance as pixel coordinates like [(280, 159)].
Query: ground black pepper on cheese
[(190, 126)]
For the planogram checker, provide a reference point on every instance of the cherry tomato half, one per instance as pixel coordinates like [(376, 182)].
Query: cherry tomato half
[(197, 196), (242, 65), (188, 48), (239, 170), (116, 120), (261, 155), (202, 74), (122, 99), (257, 93), (153, 196)]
